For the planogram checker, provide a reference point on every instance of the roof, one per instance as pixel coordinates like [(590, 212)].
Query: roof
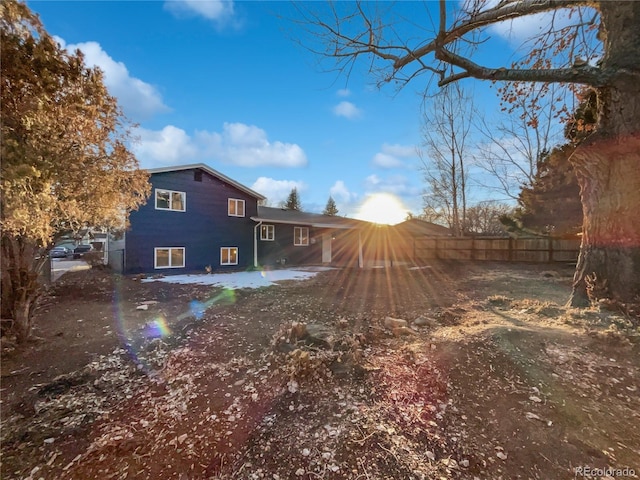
[(296, 217), (212, 172), (417, 227)]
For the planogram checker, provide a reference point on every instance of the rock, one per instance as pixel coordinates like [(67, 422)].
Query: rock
[(425, 322), (403, 331), (298, 331), (319, 336), (392, 323), (142, 307)]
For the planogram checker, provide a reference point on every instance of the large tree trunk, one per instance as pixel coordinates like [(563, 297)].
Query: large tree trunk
[(608, 170)]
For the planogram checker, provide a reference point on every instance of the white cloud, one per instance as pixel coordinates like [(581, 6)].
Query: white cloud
[(396, 184), (390, 155), (525, 28), (341, 193), (169, 146), (248, 146), (219, 11), (384, 160), (138, 99), (347, 110), (276, 191), (343, 92), (238, 144)]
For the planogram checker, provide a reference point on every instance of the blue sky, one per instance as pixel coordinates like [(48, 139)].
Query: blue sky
[(225, 84)]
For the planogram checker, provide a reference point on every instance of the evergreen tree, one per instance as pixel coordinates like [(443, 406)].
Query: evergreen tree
[(331, 208), (552, 204), (293, 200)]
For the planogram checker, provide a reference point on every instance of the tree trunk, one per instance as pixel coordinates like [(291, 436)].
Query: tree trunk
[(608, 169), (20, 287)]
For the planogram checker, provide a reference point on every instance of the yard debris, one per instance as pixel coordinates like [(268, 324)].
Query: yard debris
[(339, 399), (425, 322), (392, 323)]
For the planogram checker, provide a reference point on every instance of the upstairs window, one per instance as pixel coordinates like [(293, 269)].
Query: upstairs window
[(300, 236), (267, 233), (170, 200), (236, 207)]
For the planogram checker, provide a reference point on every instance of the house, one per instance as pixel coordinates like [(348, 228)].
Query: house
[(292, 237), (199, 220), (195, 220)]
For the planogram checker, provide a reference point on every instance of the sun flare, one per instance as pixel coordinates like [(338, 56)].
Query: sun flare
[(382, 208)]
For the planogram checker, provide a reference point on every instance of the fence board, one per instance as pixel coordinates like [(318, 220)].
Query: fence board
[(538, 250)]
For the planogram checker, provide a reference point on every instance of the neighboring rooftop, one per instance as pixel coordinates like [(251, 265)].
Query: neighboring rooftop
[(417, 227), (296, 217)]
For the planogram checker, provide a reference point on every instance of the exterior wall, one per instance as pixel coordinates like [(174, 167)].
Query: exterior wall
[(344, 247), (202, 229), (282, 247), (116, 254)]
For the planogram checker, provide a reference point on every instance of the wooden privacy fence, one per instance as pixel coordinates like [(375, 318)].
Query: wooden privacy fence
[(539, 250)]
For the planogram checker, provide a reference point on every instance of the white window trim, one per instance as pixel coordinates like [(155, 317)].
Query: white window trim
[(229, 256), (295, 237), (270, 229), (155, 257), (236, 201), (184, 200)]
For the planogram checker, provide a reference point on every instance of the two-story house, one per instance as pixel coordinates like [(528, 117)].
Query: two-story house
[(196, 219), (199, 220)]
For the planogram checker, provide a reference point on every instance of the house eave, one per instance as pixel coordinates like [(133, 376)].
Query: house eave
[(212, 172), (306, 224)]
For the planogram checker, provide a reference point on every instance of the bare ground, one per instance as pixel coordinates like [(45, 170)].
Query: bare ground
[(503, 381)]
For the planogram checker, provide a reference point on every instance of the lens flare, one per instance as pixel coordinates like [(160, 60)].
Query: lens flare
[(136, 334), (156, 328)]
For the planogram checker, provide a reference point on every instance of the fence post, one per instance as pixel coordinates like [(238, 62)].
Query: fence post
[(511, 249)]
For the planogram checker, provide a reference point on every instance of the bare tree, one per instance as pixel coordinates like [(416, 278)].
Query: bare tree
[(514, 146), (606, 163), (483, 218), (446, 125)]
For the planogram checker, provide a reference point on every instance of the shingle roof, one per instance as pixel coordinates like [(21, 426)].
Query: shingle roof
[(417, 227), (210, 171), (296, 217)]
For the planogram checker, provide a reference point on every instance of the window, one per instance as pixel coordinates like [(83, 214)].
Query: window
[(300, 236), (169, 257), (170, 200), (229, 256), (236, 207), (267, 232)]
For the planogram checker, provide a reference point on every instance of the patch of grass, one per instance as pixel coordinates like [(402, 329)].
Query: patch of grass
[(500, 301)]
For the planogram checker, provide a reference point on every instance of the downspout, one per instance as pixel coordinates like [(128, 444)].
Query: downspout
[(255, 244)]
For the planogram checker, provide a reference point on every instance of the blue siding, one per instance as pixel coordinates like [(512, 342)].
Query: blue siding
[(202, 229)]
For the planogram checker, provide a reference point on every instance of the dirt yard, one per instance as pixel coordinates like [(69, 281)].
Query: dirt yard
[(490, 378)]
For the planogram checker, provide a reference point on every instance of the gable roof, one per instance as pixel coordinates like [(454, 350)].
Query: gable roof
[(296, 217), (211, 172), (417, 227)]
